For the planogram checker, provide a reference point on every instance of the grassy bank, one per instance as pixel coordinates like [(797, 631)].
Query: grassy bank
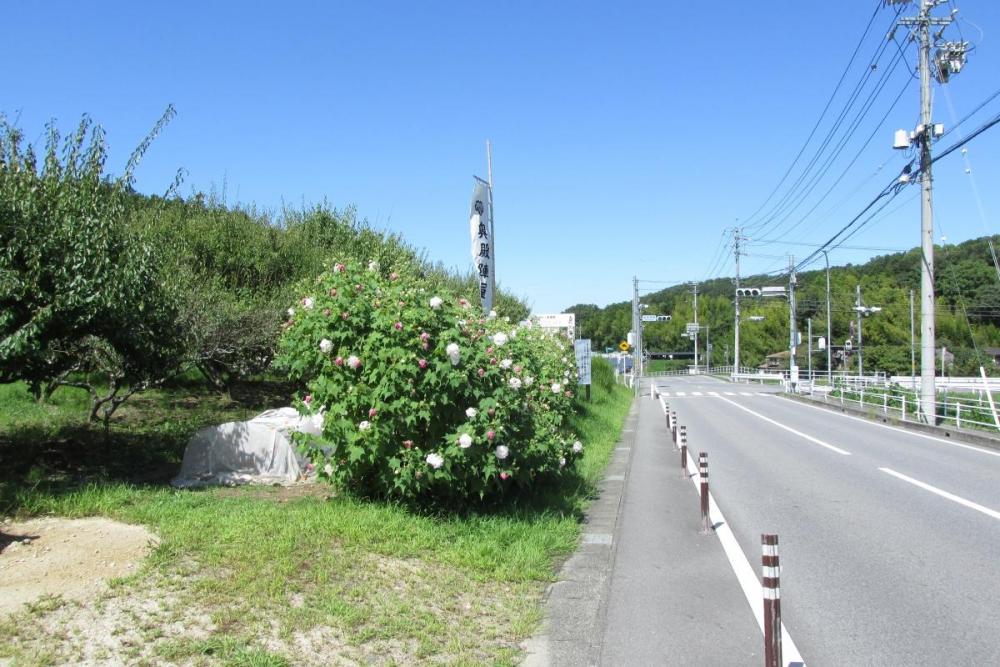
[(268, 576)]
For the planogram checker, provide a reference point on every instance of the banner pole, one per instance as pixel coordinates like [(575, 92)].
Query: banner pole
[(493, 238)]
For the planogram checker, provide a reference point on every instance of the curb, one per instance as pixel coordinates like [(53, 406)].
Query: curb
[(575, 604), (945, 432)]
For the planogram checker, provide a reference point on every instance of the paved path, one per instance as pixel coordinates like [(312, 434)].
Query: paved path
[(646, 588)]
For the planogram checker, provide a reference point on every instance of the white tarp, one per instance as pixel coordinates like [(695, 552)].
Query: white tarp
[(258, 451)]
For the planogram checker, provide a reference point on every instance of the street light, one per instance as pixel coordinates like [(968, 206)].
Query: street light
[(862, 311)]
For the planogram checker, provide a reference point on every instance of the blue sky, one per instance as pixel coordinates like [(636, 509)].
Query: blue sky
[(627, 136)]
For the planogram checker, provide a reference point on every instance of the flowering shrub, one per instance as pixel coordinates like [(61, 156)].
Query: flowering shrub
[(423, 398)]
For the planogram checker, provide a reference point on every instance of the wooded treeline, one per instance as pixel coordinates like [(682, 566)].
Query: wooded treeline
[(968, 313)]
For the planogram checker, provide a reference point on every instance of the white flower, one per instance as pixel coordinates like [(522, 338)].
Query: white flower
[(577, 447), (436, 302), (435, 460), (515, 383), (471, 412), (528, 381), (325, 346), (307, 303), (556, 387), (501, 452), (566, 375), (562, 461), (373, 265), (328, 469), (493, 314), (291, 312), (454, 353), (464, 440), (353, 362), (365, 425), (506, 363), (499, 338)]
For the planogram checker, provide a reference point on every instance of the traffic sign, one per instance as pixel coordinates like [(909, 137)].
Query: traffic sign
[(623, 346), (656, 318)]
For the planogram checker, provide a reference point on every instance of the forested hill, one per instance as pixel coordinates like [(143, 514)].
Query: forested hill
[(967, 286)]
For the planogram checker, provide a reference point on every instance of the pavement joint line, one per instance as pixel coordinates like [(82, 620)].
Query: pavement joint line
[(817, 441), (981, 450), (745, 574), (944, 494)]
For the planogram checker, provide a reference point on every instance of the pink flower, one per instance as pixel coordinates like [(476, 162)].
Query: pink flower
[(308, 399), (517, 370), (398, 326), (339, 268), (491, 412), (372, 412), (339, 361), (407, 444), (504, 476), (424, 336), (489, 350), (359, 287), (493, 361), (490, 435), (326, 312), (344, 315), (333, 291), (402, 303), (354, 362), (569, 394), (422, 363), (393, 276), (426, 346), (481, 372), (464, 303)]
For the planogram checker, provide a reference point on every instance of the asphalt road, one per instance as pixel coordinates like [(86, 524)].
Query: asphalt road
[(880, 565)]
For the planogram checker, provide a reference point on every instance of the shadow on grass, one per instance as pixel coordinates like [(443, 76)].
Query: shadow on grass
[(143, 446)]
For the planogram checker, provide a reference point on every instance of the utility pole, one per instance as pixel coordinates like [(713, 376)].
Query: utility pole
[(809, 332), (694, 287), (857, 307), (793, 369), (829, 332), (737, 237), (949, 60), (913, 348), (636, 336)]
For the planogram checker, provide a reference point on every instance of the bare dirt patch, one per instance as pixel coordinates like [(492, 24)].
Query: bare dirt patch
[(73, 558)]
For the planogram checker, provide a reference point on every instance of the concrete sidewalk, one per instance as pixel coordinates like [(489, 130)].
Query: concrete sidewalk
[(645, 588)]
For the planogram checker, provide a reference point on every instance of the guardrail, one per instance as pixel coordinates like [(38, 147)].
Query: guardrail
[(961, 411)]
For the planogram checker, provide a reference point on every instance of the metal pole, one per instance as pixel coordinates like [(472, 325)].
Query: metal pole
[(696, 328), (927, 331), (493, 238), (736, 329), (636, 336), (858, 305), (913, 348), (792, 366), (809, 331), (829, 333), (706, 526)]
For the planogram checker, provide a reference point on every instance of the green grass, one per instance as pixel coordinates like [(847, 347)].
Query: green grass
[(272, 572)]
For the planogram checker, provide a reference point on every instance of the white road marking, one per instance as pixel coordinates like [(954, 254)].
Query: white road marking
[(664, 393), (981, 450), (696, 393), (944, 494), (681, 393), (788, 428), (751, 586), (730, 393), (713, 393), (745, 393)]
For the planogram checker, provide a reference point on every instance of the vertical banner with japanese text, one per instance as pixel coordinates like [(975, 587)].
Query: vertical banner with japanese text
[(481, 231)]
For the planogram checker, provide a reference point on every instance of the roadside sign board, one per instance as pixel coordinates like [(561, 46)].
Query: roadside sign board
[(656, 318), (692, 327), (582, 348)]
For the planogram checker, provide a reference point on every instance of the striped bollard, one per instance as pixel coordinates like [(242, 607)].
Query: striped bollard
[(684, 460), (772, 600), (673, 426), (682, 437), (666, 411), (706, 526)]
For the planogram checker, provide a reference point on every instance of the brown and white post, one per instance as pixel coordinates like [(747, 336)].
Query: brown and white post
[(770, 579), (682, 438), (706, 525), (673, 425)]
